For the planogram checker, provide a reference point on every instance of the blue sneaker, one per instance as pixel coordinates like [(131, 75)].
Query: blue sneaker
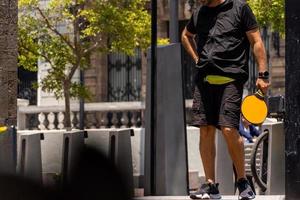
[(245, 189), (207, 191)]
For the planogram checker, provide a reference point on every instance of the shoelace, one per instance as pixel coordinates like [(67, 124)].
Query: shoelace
[(214, 188), (204, 188), (242, 185)]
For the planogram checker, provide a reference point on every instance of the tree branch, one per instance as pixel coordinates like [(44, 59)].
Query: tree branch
[(54, 30), (92, 48), (76, 40), (36, 53), (96, 43), (73, 70)]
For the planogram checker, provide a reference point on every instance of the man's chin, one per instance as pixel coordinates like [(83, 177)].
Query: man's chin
[(204, 3)]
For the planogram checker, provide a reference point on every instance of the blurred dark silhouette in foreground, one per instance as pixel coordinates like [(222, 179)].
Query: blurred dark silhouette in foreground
[(94, 177)]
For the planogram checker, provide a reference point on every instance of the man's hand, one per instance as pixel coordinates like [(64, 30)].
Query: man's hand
[(196, 60), (263, 85)]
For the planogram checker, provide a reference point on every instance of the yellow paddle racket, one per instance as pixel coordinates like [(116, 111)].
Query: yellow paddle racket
[(254, 108)]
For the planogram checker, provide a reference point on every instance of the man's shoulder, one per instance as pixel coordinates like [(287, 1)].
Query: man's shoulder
[(198, 8), (196, 12), (239, 3)]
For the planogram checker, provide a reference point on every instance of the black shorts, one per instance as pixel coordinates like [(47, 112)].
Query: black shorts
[(217, 105)]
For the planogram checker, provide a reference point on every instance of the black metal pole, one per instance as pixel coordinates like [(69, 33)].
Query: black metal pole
[(292, 94), (174, 35), (81, 103), (153, 93), (184, 122)]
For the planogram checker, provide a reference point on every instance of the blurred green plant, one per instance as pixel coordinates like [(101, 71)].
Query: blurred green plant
[(62, 34), (270, 13), (163, 41)]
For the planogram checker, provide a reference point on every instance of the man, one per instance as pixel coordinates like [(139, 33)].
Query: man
[(224, 31)]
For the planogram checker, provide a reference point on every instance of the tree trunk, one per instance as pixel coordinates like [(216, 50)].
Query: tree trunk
[(68, 125), (8, 62)]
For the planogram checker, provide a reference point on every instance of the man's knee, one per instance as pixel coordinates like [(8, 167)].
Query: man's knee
[(207, 131), (230, 132)]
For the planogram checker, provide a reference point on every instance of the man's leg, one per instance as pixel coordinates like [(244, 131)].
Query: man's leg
[(208, 190), (235, 146), (208, 151)]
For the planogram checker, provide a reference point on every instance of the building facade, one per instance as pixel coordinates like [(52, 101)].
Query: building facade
[(117, 77)]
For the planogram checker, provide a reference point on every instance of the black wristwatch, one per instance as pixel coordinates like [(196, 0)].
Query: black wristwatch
[(263, 75)]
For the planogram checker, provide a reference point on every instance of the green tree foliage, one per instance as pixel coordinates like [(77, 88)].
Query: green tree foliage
[(270, 13), (64, 33)]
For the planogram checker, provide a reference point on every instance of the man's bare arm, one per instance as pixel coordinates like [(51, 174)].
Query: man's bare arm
[(260, 56), (258, 49), (189, 44)]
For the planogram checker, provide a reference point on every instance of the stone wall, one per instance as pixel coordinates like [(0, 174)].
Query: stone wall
[(96, 77), (8, 61)]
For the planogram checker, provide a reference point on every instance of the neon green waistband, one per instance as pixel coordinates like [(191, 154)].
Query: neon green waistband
[(218, 80)]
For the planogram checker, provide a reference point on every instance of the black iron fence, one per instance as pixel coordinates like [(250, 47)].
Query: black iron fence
[(26, 79), (276, 42), (124, 77)]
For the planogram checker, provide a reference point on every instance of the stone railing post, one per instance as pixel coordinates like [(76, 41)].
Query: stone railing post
[(21, 117)]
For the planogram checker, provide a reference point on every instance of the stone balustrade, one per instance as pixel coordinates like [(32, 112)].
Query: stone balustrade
[(97, 115)]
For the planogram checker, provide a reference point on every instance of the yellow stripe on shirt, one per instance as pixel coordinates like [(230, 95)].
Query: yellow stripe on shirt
[(218, 80)]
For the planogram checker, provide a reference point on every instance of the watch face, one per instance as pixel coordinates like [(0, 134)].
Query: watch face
[(266, 73)]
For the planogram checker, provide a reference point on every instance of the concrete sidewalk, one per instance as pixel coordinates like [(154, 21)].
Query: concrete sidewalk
[(261, 197)]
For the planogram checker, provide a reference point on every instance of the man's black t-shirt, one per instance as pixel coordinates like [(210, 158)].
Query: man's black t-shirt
[(222, 43)]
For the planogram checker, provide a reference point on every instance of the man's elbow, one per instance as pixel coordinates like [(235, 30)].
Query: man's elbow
[(257, 42), (183, 36)]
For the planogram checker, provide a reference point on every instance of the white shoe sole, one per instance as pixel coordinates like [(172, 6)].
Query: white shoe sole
[(246, 198), (215, 196), (196, 196), (205, 196)]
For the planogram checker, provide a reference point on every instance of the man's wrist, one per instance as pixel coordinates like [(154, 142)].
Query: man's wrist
[(263, 75), (263, 78)]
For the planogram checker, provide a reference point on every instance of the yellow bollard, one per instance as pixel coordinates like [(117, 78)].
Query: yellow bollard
[(3, 129)]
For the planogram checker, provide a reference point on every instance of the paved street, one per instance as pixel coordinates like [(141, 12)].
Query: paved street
[(262, 197)]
